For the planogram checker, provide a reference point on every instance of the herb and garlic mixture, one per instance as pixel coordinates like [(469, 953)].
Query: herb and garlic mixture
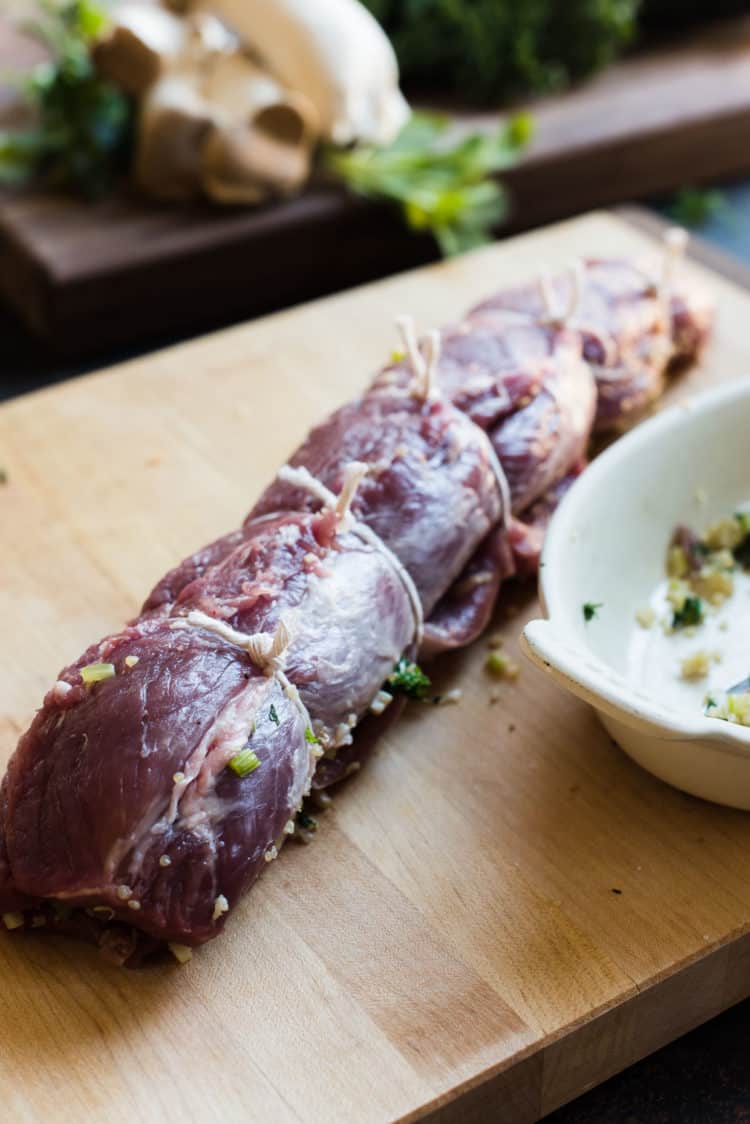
[(691, 638)]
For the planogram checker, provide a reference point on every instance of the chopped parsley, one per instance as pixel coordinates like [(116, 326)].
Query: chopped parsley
[(690, 614), (244, 762), (742, 551), (710, 703), (407, 678), (310, 736), (591, 609), (273, 715)]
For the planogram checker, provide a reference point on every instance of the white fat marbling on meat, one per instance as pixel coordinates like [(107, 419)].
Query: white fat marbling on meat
[(301, 478)]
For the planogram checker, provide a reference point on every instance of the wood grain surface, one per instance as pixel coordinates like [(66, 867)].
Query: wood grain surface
[(84, 276), (451, 946)]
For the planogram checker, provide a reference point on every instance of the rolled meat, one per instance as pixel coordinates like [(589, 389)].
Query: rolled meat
[(167, 765)]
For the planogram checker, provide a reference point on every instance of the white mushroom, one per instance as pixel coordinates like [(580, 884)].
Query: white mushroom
[(144, 41), (333, 52), (211, 119)]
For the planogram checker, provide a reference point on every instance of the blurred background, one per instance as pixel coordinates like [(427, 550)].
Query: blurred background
[(166, 170)]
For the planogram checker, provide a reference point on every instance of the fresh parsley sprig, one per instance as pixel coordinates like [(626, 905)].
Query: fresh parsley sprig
[(81, 132), (442, 187), (407, 678)]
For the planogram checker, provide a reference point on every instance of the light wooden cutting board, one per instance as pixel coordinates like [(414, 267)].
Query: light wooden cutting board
[(452, 945)]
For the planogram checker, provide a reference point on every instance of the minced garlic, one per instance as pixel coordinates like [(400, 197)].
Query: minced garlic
[(698, 665), (677, 563), (221, 905), (646, 617), (450, 697), (727, 534), (713, 585), (181, 952), (382, 700)]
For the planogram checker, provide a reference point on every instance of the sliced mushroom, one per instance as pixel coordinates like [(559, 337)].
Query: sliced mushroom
[(225, 128), (269, 155), (174, 125)]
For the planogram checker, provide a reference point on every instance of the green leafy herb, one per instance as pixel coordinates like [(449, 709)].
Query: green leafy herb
[(442, 188), (690, 614), (591, 609), (309, 823), (695, 206), (407, 678), (81, 137), (710, 703), (244, 762), (486, 49), (310, 736), (742, 551), (273, 715)]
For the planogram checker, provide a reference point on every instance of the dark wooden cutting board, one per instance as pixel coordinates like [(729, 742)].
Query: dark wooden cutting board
[(84, 277)]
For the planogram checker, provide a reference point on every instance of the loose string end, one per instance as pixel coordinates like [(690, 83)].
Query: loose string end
[(407, 331), (577, 281), (544, 282), (675, 246), (353, 477), (426, 387)]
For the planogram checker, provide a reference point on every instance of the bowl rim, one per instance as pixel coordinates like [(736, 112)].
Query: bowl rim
[(727, 735)]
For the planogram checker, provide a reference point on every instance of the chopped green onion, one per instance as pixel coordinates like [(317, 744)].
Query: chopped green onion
[(690, 614), (407, 678), (591, 610), (742, 551), (273, 715), (310, 736), (498, 664), (244, 762), (96, 672)]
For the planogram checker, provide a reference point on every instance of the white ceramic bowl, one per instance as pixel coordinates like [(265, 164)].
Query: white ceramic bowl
[(607, 544)]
